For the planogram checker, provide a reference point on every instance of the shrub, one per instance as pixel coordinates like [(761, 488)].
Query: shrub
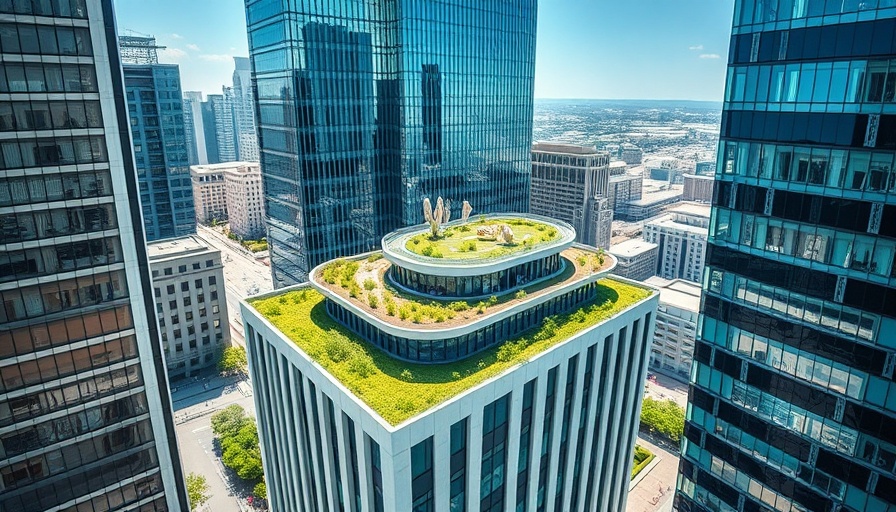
[(406, 375), (520, 294), (390, 308), (372, 300), (417, 317), (469, 246), (541, 227), (426, 250), (510, 350), (663, 416), (404, 312), (548, 329), (337, 348), (456, 375), (582, 260), (260, 490), (481, 364), (354, 291), (273, 310), (480, 308), (282, 299), (233, 360), (459, 306), (464, 228), (197, 490), (374, 257), (491, 301), (438, 316), (361, 364), (369, 284), (579, 316)]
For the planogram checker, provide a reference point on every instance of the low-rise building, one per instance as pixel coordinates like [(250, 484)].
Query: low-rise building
[(191, 304), (570, 183), (705, 168), (631, 154), (697, 188), (676, 327), (636, 259), (681, 236), (209, 192), (649, 205), (245, 199), (617, 167), (624, 187)]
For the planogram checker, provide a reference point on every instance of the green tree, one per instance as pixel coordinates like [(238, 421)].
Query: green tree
[(238, 436), (228, 422), (233, 360), (663, 416), (197, 490)]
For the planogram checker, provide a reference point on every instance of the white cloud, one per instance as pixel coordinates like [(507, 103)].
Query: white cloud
[(211, 57), (173, 55), (695, 48), (193, 47), (710, 56), (176, 36)]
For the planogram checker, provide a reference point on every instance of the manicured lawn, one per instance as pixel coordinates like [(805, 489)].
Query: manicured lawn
[(461, 242), (399, 390), (643, 456)]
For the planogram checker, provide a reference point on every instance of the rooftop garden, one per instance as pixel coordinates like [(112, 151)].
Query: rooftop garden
[(483, 238), (362, 281), (398, 390)]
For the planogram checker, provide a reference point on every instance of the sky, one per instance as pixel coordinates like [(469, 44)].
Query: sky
[(602, 49)]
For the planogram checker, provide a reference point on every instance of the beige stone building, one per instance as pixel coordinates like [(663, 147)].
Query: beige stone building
[(245, 199), (209, 192)]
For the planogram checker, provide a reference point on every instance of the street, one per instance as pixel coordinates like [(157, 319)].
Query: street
[(666, 388), (194, 404), (243, 276)]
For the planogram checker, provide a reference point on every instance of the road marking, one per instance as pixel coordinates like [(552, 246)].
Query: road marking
[(202, 428)]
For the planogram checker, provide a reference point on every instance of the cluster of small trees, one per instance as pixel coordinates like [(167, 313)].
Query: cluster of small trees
[(240, 449), (664, 417), (233, 360)]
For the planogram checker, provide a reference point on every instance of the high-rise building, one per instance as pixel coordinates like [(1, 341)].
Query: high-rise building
[(636, 259), (242, 104), (367, 404), (188, 282), (245, 199), (624, 186), (571, 183), (160, 145), (85, 414), (359, 120), (676, 326), (681, 239), (210, 192), (631, 154), (793, 395), (697, 188), (194, 130), (221, 112), (210, 128)]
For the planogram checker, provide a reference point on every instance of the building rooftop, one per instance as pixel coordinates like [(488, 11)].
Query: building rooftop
[(677, 292), (221, 167), (668, 221), (689, 208), (656, 198), (561, 147), (399, 390), (177, 247), (631, 248)]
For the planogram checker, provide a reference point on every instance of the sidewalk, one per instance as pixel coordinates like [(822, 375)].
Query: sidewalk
[(654, 491)]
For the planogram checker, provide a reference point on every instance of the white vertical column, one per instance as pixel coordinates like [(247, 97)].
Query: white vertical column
[(314, 437), (474, 458), (289, 435), (536, 431), (514, 420), (441, 466), (325, 439), (345, 455), (364, 467), (618, 389), (572, 438), (606, 418), (302, 454), (556, 425), (593, 417)]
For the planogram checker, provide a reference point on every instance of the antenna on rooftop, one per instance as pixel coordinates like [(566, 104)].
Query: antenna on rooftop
[(137, 48)]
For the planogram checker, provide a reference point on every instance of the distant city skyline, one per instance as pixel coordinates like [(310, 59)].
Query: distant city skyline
[(643, 49)]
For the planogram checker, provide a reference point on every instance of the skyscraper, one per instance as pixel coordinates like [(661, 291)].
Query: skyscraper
[(242, 105), (793, 394), (85, 415), (160, 145), (365, 112), (194, 129), (366, 402), (222, 127)]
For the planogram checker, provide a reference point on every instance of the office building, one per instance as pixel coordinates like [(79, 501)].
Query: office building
[(85, 414), (617, 167), (188, 285), (356, 127), (612, 149), (546, 425), (194, 130), (707, 168), (210, 192), (631, 154), (242, 104), (648, 205), (697, 188), (793, 398), (676, 327), (210, 128), (636, 259), (680, 236), (245, 200), (570, 183), (160, 145), (624, 186), (220, 110)]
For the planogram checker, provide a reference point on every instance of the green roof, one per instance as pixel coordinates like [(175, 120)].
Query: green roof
[(398, 390), (461, 241)]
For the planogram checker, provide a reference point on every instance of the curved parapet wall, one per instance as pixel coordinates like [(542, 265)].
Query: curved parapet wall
[(395, 249)]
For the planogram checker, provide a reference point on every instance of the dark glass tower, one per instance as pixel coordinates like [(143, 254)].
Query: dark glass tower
[(793, 394), (367, 107), (160, 149), (85, 415)]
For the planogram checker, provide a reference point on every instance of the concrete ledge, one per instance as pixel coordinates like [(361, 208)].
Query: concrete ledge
[(643, 473)]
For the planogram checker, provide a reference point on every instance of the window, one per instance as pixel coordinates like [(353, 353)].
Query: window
[(181, 269), (170, 289), (212, 280), (168, 271), (209, 263), (185, 286), (422, 476)]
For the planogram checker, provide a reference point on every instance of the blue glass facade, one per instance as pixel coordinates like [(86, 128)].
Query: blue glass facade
[(366, 107), (155, 107), (793, 394)]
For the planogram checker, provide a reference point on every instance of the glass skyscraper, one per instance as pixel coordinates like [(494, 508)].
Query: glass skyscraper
[(155, 106), (85, 415), (367, 107), (793, 395)]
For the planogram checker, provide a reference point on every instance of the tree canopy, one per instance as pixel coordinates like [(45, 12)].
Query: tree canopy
[(663, 416)]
